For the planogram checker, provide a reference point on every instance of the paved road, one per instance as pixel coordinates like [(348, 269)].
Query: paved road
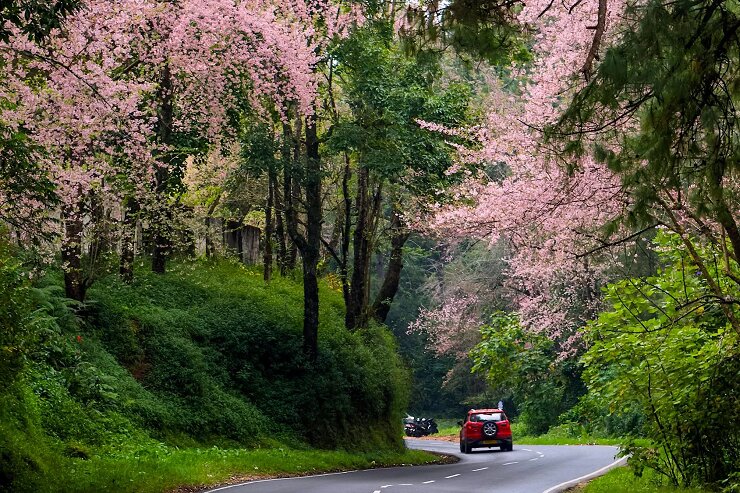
[(527, 469)]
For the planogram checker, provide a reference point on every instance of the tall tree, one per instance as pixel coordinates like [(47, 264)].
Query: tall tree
[(94, 119), (660, 111), (399, 234), (395, 157)]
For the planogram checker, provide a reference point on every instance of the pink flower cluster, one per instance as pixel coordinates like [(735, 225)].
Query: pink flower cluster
[(89, 96), (549, 212)]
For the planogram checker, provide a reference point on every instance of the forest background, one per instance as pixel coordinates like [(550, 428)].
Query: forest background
[(219, 218)]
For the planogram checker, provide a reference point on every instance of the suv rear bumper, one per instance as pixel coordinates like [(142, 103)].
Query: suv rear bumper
[(490, 442)]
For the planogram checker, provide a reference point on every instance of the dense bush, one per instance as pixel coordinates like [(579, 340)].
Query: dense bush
[(667, 349), (226, 348), (16, 311), (206, 355)]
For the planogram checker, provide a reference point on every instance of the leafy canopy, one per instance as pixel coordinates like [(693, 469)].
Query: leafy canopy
[(666, 346)]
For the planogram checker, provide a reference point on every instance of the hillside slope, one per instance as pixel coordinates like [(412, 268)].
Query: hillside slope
[(207, 356)]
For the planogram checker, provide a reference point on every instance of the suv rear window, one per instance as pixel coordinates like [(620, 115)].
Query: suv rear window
[(487, 417)]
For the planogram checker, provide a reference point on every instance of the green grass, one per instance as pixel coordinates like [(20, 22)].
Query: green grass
[(165, 469), (622, 480), (447, 427), (548, 439)]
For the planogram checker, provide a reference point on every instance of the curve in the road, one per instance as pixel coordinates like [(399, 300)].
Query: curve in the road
[(527, 469)]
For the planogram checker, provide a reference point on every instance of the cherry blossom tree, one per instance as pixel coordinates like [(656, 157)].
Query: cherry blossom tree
[(594, 157), (123, 93), (65, 96), (550, 211)]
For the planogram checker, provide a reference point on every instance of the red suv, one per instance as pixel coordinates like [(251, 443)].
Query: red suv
[(485, 428)]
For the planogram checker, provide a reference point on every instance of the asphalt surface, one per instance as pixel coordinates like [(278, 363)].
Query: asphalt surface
[(527, 469)]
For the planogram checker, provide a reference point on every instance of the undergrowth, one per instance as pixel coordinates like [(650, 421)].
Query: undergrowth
[(623, 480), (187, 378)]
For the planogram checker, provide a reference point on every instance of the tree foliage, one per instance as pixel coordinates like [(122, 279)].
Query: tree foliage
[(34, 19), (666, 346), (661, 113), (524, 366), (478, 29)]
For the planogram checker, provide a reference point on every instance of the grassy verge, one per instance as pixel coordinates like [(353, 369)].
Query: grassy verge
[(447, 427), (548, 439), (169, 469), (622, 480)]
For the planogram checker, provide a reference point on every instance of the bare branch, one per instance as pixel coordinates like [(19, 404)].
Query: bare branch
[(609, 244), (596, 44)]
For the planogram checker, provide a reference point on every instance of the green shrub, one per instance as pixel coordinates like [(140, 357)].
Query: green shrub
[(24, 450), (207, 355), (666, 348), (16, 330), (213, 332)]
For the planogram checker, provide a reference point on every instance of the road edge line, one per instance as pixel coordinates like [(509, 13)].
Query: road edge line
[(220, 488), (599, 472)]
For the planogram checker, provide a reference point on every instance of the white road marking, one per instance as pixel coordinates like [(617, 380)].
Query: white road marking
[(481, 469), (534, 459), (427, 482), (283, 479), (526, 450), (561, 486), (376, 491), (453, 476), (510, 463), (386, 486)]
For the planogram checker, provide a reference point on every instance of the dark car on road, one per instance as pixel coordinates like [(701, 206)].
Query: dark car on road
[(485, 428)]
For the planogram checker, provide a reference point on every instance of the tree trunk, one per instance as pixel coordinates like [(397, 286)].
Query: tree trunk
[(282, 252), (360, 260), (100, 243), (165, 116), (346, 232), (392, 278), (128, 237), (296, 190), (292, 258), (310, 244), (312, 249), (160, 252), (267, 260), (310, 306), (367, 214), (75, 284), (289, 212), (336, 231)]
